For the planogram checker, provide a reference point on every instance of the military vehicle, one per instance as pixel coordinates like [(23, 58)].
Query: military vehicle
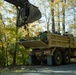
[(50, 49), (47, 48)]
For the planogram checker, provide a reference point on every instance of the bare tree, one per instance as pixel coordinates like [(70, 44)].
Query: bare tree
[(58, 20), (53, 21), (63, 13)]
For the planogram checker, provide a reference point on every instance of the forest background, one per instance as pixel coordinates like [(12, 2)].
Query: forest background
[(57, 15)]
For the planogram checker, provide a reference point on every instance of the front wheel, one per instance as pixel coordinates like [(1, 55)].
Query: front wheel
[(57, 58)]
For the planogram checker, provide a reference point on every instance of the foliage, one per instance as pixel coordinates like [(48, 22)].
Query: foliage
[(9, 37)]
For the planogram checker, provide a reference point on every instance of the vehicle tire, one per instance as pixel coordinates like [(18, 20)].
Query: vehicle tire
[(33, 59), (57, 58), (66, 57)]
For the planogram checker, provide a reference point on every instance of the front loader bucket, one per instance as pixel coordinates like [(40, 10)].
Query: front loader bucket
[(33, 44)]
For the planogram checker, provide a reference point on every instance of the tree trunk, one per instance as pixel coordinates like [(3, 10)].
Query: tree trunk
[(63, 23), (15, 51), (53, 22), (58, 20), (3, 49)]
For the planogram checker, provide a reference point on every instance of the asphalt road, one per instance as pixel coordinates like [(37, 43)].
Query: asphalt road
[(44, 70)]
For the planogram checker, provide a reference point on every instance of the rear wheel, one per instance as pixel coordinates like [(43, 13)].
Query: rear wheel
[(57, 58), (66, 57), (34, 60)]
